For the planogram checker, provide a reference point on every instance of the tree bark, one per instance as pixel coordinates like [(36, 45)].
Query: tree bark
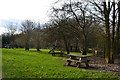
[(113, 36), (27, 47), (38, 46), (38, 49), (66, 45), (76, 46), (118, 32), (108, 37)]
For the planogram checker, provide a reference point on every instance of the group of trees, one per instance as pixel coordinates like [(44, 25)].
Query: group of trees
[(87, 14), (29, 36), (75, 25)]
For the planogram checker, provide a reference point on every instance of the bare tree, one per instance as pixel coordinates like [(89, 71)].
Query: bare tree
[(78, 11), (37, 36), (12, 29), (108, 16), (118, 32), (27, 27)]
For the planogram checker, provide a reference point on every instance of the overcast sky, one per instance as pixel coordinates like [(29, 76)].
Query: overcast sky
[(24, 9)]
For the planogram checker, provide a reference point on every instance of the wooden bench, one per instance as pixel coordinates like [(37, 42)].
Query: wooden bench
[(78, 61), (53, 54)]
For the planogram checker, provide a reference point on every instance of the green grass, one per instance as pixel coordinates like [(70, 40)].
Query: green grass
[(17, 63)]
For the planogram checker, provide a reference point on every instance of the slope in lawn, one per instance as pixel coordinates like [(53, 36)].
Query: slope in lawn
[(18, 63)]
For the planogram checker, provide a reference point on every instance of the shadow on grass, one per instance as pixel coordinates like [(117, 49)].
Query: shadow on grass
[(83, 67), (92, 68), (35, 51)]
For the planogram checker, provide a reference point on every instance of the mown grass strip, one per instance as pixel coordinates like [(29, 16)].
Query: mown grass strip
[(18, 63)]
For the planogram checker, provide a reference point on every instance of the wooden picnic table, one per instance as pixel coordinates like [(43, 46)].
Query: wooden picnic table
[(60, 53), (78, 59)]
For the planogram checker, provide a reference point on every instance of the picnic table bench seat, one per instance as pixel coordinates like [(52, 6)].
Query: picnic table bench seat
[(78, 61)]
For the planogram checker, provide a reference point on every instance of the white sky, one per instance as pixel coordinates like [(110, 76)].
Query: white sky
[(25, 9), (2, 30)]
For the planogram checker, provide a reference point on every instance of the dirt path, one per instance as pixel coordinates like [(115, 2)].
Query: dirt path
[(99, 64), (103, 66)]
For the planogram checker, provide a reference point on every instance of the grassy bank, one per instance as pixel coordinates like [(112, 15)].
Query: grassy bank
[(17, 63)]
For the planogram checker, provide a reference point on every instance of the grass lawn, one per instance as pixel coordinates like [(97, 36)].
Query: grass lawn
[(17, 63)]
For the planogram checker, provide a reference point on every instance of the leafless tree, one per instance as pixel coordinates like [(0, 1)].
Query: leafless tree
[(27, 27), (108, 11), (12, 29), (37, 36), (78, 11)]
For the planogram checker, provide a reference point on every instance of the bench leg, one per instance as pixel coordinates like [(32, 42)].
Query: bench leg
[(61, 55), (53, 54), (87, 65), (69, 63), (78, 64)]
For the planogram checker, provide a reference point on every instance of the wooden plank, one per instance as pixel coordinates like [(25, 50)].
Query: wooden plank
[(72, 60), (79, 55), (53, 54)]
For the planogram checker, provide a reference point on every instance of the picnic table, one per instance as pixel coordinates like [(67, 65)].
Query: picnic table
[(60, 53), (53, 52), (78, 59)]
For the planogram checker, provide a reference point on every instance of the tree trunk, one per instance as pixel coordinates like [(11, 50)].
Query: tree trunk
[(76, 46), (38, 46), (84, 34), (84, 52), (84, 42), (38, 49), (27, 47), (108, 57), (66, 45), (113, 36), (71, 48), (118, 32)]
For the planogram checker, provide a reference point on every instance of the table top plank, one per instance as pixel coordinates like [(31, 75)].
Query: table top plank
[(79, 55)]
